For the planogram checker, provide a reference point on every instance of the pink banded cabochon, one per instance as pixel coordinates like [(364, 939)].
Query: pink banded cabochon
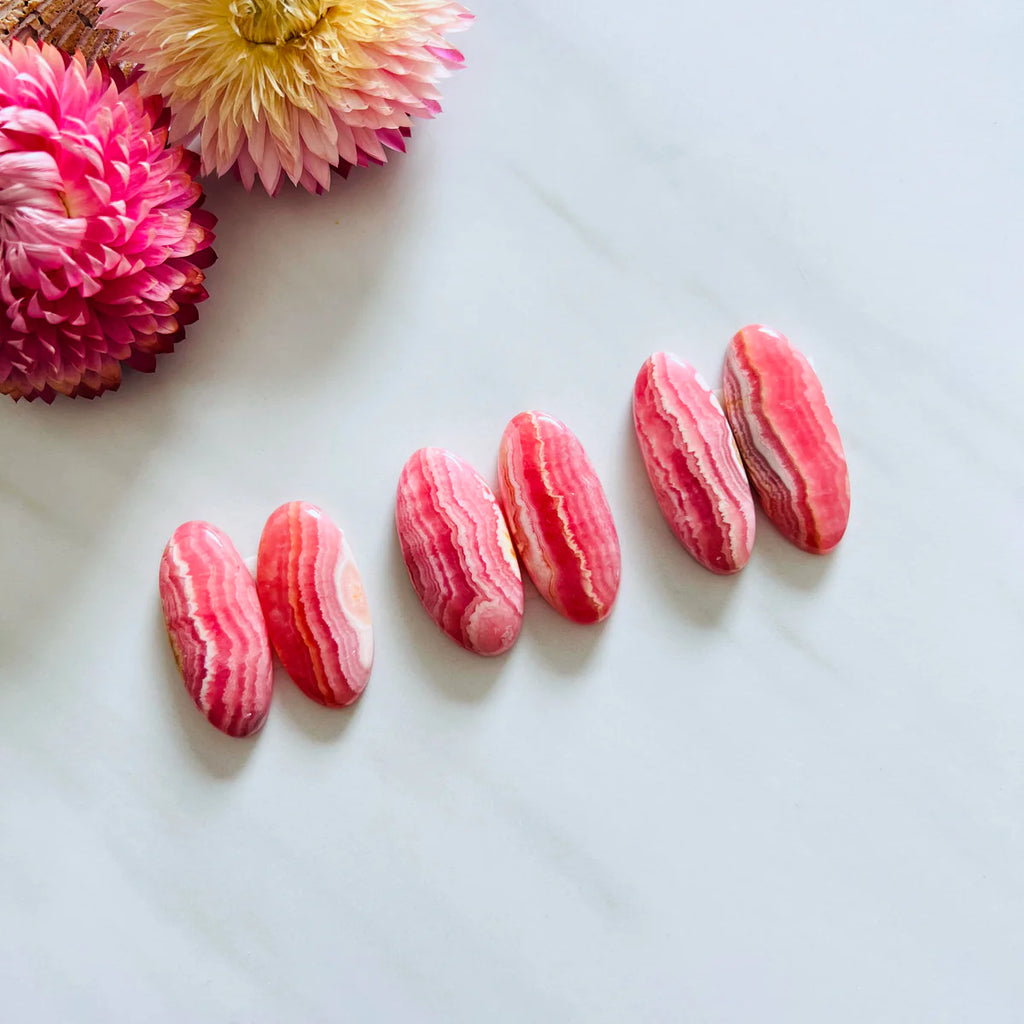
[(692, 461), (458, 551), (787, 438), (216, 628), (559, 517), (313, 599)]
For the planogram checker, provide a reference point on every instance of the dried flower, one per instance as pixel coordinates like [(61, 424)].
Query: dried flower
[(291, 87), (102, 244)]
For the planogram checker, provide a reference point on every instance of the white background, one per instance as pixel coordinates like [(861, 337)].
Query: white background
[(792, 796)]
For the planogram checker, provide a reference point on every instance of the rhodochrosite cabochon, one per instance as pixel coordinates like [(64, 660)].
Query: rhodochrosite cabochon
[(692, 461), (787, 437), (313, 599), (559, 517), (216, 628), (457, 549)]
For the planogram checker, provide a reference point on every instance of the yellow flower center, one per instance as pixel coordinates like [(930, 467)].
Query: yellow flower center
[(275, 21)]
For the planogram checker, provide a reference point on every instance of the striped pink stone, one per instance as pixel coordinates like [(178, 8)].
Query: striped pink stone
[(313, 600), (216, 628), (458, 551), (787, 438), (559, 517), (692, 461)]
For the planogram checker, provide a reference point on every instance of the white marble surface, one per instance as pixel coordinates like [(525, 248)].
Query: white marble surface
[(794, 796)]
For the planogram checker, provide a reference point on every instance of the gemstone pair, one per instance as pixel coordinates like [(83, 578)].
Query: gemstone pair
[(307, 602), (775, 423), (459, 543)]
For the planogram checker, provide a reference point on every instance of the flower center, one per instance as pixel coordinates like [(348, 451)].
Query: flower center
[(274, 21), (28, 195)]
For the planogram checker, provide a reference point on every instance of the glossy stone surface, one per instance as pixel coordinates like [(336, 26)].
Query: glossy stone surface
[(457, 549), (787, 438), (314, 603), (216, 628), (692, 461), (559, 517)]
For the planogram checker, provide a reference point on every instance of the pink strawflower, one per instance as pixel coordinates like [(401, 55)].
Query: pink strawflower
[(291, 88), (103, 247)]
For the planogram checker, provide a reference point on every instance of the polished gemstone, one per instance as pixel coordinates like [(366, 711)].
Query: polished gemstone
[(559, 517), (313, 599), (787, 438), (216, 628), (692, 461), (458, 552)]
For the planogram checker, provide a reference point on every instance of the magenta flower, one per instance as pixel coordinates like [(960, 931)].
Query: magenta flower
[(102, 244)]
